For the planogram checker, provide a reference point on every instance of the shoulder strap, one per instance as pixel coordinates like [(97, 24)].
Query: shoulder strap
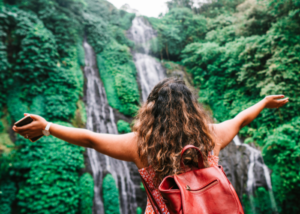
[(151, 199)]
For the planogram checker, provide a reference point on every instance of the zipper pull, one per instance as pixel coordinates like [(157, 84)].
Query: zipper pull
[(188, 187)]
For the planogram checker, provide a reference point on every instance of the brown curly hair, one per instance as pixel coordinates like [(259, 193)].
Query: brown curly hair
[(170, 119)]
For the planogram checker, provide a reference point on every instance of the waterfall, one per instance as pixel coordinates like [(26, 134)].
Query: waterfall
[(256, 163), (150, 71), (101, 119)]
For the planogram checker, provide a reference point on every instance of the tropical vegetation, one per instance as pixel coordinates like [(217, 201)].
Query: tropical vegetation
[(237, 51)]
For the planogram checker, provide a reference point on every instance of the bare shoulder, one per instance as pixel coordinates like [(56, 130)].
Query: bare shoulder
[(132, 140), (137, 160), (224, 132)]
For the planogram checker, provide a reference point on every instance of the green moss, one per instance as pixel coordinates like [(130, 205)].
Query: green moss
[(86, 184), (142, 187), (80, 54), (48, 81), (110, 195), (6, 145), (38, 105), (8, 191), (139, 210), (51, 175), (118, 74), (80, 117), (123, 127), (260, 202), (109, 82), (15, 106)]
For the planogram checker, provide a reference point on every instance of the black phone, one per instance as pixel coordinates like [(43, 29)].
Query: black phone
[(24, 121)]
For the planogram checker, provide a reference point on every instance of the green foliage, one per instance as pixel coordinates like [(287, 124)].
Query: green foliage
[(139, 210), (125, 19), (40, 40), (118, 74), (96, 28), (282, 154), (86, 184), (142, 186), (6, 156), (176, 29), (123, 127), (119, 35), (49, 170), (80, 116), (7, 196), (180, 3), (261, 202), (215, 8), (110, 195), (104, 22), (244, 59), (1, 126), (237, 54), (80, 54)]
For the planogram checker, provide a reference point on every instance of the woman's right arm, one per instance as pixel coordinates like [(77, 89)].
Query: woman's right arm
[(226, 130), (122, 147)]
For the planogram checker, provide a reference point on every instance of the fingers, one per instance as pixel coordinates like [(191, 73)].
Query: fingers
[(26, 127), (34, 116), (277, 96), (283, 102), (30, 134)]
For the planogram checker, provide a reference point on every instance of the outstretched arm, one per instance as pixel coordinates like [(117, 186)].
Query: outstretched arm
[(226, 130), (123, 147)]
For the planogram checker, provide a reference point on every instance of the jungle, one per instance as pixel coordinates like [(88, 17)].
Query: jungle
[(234, 53)]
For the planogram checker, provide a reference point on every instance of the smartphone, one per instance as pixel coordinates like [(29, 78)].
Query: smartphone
[(24, 121)]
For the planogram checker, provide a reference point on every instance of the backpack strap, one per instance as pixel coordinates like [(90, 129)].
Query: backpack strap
[(151, 199)]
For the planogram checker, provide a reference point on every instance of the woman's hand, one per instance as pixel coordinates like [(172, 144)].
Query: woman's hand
[(33, 129), (273, 101)]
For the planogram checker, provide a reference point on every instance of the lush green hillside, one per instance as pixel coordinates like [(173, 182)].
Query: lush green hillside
[(41, 61), (237, 52)]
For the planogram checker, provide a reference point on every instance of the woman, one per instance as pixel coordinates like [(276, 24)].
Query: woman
[(170, 119)]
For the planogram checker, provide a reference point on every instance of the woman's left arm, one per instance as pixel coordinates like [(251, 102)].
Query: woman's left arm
[(123, 147)]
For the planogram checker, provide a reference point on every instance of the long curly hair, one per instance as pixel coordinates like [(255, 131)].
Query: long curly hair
[(170, 119)]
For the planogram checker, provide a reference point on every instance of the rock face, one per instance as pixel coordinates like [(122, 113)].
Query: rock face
[(245, 168), (235, 161)]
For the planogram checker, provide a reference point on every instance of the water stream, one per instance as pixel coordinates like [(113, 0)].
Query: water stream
[(101, 119), (150, 70), (245, 166)]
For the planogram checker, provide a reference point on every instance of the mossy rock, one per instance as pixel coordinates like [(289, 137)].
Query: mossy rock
[(111, 197), (123, 127)]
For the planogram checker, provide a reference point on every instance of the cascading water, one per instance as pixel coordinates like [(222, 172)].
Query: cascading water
[(242, 163), (100, 118), (150, 70), (257, 172)]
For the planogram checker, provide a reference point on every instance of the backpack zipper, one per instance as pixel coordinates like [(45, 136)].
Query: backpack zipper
[(203, 189)]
